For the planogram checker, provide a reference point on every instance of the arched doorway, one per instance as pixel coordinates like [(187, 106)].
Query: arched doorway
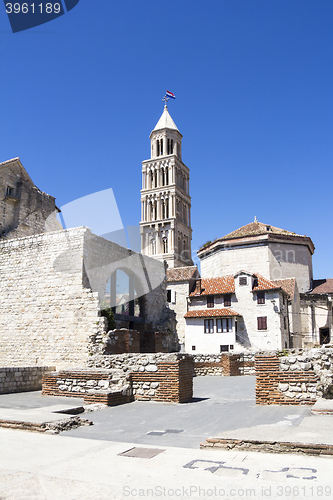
[(122, 294)]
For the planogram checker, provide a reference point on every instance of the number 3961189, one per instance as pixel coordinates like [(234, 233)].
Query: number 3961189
[(32, 8)]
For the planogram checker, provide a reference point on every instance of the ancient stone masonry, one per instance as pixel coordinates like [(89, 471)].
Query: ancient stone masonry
[(51, 286), (225, 364), (125, 377), (22, 379), (46, 314), (294, 377), (24, 209)]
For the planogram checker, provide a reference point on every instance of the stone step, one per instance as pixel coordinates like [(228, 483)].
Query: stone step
[(322, 407)]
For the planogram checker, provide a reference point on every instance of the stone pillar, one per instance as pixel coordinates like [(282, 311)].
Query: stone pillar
[(113, 289)]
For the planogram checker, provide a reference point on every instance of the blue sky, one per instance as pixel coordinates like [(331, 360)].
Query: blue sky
[(253, 81)]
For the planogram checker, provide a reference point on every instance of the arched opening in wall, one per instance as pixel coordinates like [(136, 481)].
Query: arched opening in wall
[(153, 247), (324, 334), (122, 294), (165, 245)]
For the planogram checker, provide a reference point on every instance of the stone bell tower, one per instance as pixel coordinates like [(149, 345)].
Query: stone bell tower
[(165, 200)]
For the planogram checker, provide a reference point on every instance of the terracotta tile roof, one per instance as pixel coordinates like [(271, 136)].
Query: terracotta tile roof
[(255, 228), (216, 286), (211, 313), (322, 286), (287, 285), (264, 284), (182, 273)]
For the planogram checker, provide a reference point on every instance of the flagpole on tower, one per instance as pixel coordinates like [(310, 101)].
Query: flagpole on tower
[(167, 96), (165, 99)]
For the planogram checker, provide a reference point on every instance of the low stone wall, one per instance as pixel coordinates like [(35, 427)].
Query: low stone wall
[(294, 377), (95, 386), (153, 377), (22, 379), (165, 381), (226, 364)]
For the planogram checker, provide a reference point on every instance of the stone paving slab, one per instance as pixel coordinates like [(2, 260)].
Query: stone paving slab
[(323, 407), (38, 466)]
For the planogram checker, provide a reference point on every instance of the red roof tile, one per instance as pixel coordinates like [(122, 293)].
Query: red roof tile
[(264, 284), (322, 286), (211, 313), (182, 273), (287, 285), (255, 228), (216, 286)]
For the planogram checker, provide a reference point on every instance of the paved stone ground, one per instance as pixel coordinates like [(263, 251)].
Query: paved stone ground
[(36, 466), (219, 404)]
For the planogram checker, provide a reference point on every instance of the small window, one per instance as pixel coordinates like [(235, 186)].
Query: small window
[(210, 301), (193, 347), (227, 300), (219, 325), (209, 326), (9, 191), (231, 347), (226, 325), (171, 296), (224, 348), (243, 280), (260, 297), (262, 323)]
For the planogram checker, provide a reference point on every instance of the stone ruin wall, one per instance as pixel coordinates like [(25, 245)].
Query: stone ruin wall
[(226, 364), (50, 286), (28, 210), (294, 377), (46, 314), (125, 377), (22, 379)]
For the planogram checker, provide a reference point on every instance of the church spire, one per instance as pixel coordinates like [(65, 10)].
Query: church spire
[(166, 203)]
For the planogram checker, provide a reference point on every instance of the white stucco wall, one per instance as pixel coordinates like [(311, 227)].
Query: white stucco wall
[(254, 259), (206, 343), (243, 302), (179, 306), (291, 261)]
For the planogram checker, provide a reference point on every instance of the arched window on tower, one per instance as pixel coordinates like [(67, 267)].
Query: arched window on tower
[(155, 178), (151, 179), (179, 245), (151, 211), (153, 246), (165, 245), (163, 208), (155, 210), (166, 176), (170, 146), (166, 203), (162, 177)]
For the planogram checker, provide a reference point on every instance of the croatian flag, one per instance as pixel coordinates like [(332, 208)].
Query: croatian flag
[(170, 94)]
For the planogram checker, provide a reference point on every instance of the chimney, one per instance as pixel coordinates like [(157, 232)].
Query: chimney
[(197, 290)]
